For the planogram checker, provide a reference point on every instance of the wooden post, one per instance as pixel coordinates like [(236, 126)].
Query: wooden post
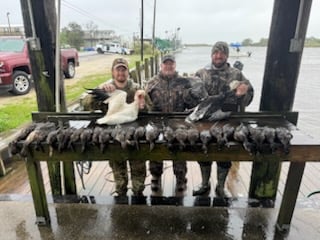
[(288, 28), (40, 30), (156, 64), (146, 69), (290, 195), (133, 75), (38, 191), (152, 66), (138, 69)]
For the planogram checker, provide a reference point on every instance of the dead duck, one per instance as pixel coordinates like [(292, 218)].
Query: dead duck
[(216, 132), (168, 135), (104, 138), (284, 136), (241, 134), (181, 135), (192, 136), (38, 135), (75, 137), (85, 138), (152, 134), (270, 136), (138, 135), (63, 138), (129, 137), (227, 133), (205, 138), (119, 111), (210, 108), (95, 135)]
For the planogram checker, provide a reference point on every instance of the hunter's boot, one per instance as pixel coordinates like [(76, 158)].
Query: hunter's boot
[(222, 174), (205, 185)]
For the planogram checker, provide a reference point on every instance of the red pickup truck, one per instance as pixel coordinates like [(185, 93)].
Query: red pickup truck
[(15, 70)]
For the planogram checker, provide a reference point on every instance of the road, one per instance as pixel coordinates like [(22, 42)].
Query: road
[(90, 63)]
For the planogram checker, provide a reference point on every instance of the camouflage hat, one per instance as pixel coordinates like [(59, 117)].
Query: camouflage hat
[(120, 62), (168, 57), (220, 46)]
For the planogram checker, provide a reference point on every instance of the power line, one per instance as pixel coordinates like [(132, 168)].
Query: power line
[(90, 16)]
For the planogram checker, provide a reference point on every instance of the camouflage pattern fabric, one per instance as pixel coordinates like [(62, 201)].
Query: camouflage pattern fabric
[(172, 94), (215, 80)]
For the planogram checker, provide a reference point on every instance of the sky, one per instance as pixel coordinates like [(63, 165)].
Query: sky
[(200, 21)]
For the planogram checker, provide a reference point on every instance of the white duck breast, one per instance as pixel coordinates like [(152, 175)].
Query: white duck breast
[(119, 111)]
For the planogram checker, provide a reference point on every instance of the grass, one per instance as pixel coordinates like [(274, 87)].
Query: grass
[(15, 114)]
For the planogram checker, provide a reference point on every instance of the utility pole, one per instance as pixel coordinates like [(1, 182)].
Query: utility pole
[(9, 22), (154, 26), (141, 29)]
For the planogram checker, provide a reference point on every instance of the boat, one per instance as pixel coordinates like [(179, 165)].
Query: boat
[(235, 51)]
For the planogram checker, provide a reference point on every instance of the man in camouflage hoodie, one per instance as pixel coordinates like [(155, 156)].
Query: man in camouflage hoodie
[(215, 76), (170, 92)]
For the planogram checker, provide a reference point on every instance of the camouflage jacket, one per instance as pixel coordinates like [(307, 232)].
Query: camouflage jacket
[(172, 94), (215, 80)]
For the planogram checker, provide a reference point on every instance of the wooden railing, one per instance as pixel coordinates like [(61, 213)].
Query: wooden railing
[(303, 148)]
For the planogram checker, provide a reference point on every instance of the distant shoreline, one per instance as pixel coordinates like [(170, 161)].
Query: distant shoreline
[(254, 45)]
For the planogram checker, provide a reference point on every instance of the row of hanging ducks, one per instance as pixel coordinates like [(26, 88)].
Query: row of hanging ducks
[(255, 140)]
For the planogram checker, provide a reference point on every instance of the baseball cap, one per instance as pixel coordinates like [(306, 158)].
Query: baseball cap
[(168, 57), (120, 62)]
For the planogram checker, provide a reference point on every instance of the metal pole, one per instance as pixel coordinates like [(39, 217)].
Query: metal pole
[(141, 34), (58, 73), (154, 26), (9, 22)]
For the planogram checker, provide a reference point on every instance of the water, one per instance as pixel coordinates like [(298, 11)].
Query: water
[(308, 86)]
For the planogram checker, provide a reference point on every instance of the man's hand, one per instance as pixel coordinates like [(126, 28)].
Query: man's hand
[(108, 87), (242, 89)]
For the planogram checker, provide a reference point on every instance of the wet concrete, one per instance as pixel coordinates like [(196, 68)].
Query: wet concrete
[(97, 221)]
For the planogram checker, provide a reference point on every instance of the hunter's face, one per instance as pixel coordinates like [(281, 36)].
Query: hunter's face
[(168, 68)]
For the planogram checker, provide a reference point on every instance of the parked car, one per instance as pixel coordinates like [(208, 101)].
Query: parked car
[(15, 69), (113, 48)]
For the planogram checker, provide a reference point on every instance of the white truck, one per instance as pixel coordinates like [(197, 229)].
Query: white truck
[(113, 48)]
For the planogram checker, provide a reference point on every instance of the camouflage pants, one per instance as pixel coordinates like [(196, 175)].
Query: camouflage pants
[(179, 169), (120, 173)]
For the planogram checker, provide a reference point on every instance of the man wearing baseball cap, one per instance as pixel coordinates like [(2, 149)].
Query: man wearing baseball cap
[(170, 92), (120, 80)]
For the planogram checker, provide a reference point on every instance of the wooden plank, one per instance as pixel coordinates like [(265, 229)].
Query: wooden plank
[(298, 153)]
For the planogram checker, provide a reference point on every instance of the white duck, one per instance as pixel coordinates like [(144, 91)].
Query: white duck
[(119, 111)]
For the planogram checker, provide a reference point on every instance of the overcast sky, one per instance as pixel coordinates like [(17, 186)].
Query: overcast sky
[(200, 21)]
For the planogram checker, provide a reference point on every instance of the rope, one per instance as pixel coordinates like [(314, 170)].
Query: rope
[(83, 167)]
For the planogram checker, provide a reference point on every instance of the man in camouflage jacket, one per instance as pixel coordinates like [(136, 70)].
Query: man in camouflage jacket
[(170, 92), (215, 76)]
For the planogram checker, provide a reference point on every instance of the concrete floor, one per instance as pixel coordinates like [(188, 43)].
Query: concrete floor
[(103, 221)]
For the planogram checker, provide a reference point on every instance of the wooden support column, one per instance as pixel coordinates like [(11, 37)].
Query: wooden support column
[(40, 29), (290, 195), (285, 46), (38, 191), (146, 69), (152, 66)]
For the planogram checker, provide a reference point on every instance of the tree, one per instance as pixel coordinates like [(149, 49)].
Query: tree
[(73, 34), (247, 42)]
